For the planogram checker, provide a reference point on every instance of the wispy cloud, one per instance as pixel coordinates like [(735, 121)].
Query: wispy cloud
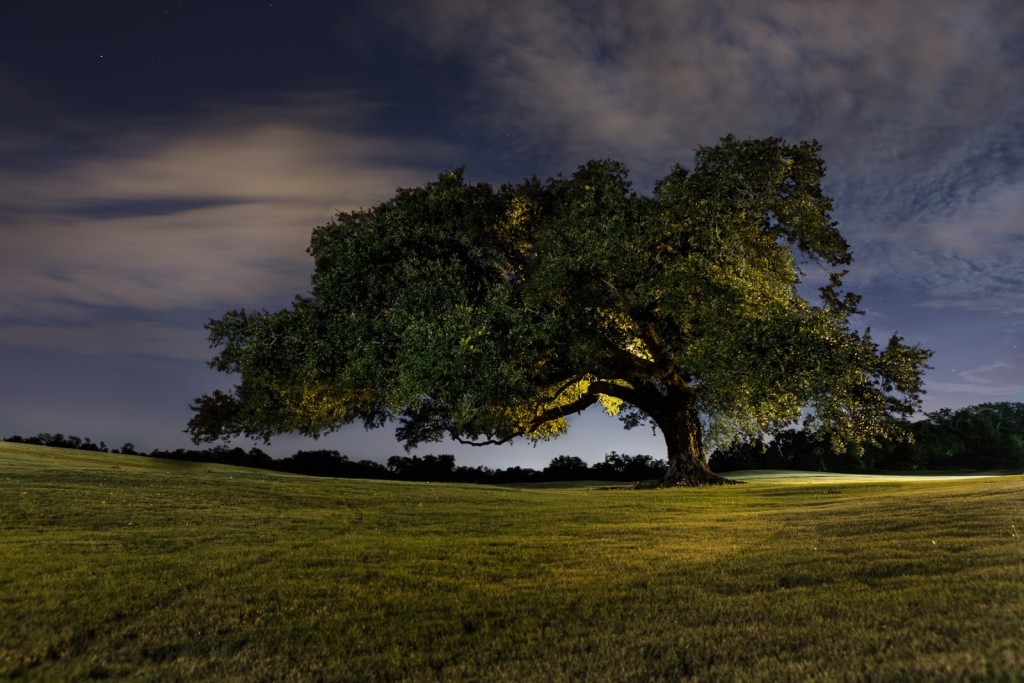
[(207, 212), (101, 336), (997, 381), (967, 256), (651, 79)]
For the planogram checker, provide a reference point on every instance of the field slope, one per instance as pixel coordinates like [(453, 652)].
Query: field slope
[(127, 567)]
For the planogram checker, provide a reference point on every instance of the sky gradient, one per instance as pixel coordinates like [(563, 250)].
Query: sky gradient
[(163, 162)]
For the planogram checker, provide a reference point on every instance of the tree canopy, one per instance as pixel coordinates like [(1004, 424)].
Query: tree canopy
[(484, 314)]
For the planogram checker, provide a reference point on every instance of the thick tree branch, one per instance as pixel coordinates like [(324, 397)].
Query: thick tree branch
[(585, 401), (644, 395), (488, 442), (627, 394)]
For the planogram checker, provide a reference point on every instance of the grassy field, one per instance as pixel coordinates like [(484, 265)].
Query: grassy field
[(129, 568)]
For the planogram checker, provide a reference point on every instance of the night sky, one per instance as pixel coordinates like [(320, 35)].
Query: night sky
[(164, 161)]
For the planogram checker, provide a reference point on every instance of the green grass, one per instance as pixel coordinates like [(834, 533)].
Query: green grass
[(129, 568)]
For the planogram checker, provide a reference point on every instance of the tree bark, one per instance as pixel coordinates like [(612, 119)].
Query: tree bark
[(680, 424)]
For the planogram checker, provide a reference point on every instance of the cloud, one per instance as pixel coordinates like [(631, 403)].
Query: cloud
[(121, 338), (987, 392), (197, 213), (204, 213), (649, 80), (1003, 372), (1000, 380), (968, 257)]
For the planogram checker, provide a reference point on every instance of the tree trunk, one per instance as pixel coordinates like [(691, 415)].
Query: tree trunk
[(682, 430)]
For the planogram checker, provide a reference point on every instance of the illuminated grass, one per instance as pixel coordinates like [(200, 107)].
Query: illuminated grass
[(126, 567)]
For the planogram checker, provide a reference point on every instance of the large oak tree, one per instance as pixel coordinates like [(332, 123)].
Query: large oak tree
[(484, 314)]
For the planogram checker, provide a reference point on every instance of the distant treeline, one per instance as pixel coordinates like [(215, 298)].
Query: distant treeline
[(980, 437), (986, 436), (440, 468)]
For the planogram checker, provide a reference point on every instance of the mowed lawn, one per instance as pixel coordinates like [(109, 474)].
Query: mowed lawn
[(130, 568)]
